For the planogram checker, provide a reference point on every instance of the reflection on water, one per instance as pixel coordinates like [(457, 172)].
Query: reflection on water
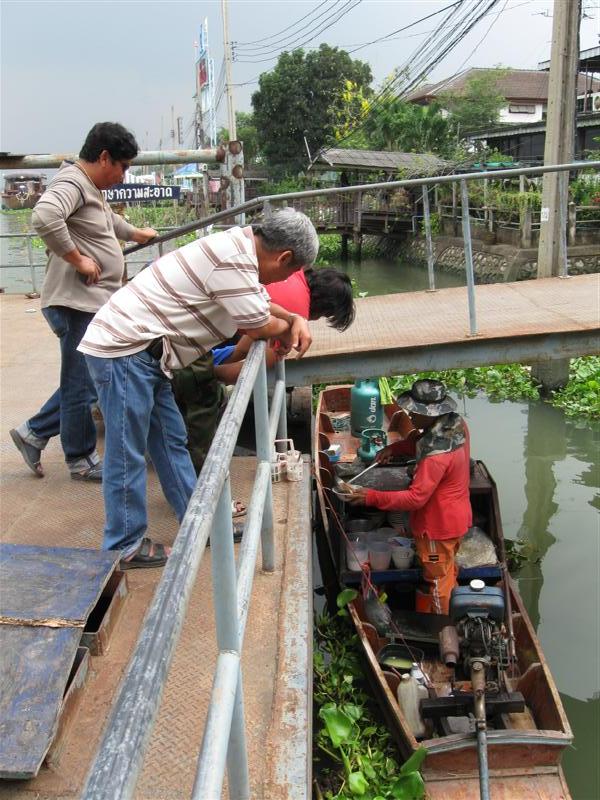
[(546, 468)]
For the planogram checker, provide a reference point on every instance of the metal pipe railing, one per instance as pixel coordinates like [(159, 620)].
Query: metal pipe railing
[(115, 770)]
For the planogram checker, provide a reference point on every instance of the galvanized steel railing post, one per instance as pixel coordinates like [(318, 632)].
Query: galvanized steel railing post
[(466, 228), (428, 238), (211, 763), (563, 195), (263, 453), (228, 639), (282, 423), (31, 265)]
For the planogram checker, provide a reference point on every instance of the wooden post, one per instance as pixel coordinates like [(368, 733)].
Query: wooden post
[(344, 247), (357, 212), (572, 214)]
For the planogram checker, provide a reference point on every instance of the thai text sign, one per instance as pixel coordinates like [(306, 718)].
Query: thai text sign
[(140, 193)]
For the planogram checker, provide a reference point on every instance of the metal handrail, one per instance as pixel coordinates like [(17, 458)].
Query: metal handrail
[(115, 770), (461, 179), (258, 202)]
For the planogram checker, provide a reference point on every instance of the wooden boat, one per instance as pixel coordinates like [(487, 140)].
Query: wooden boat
[(525, 742), (22, 190)]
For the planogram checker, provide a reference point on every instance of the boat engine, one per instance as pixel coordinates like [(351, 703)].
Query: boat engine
[(477, 611)]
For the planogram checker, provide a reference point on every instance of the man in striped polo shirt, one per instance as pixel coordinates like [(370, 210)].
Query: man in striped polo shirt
[(165, 318)]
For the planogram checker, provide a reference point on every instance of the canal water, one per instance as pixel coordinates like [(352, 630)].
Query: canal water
[(546, 468), (16, 275)]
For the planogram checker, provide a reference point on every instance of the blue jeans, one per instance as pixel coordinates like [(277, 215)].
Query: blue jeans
[(139, 414), (67, 412)]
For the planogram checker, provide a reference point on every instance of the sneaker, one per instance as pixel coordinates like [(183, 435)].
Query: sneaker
[(92, 473), (31, 454)]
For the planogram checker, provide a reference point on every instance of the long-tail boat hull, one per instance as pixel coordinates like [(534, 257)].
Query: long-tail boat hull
[(524, 748)]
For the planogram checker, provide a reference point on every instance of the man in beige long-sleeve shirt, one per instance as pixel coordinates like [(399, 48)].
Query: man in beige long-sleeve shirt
[(85, 267)]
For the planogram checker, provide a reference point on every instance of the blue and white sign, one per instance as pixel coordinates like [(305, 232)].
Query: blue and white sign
[(140, 193)]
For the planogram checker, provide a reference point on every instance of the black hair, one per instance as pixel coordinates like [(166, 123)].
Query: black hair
[(331, 297), (111, 136)]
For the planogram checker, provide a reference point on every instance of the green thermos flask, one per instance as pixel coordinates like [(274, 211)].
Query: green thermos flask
[(365, 406)]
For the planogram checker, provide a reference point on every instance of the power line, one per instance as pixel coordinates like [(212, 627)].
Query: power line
[(284, 42), (400, 30), (346, 8), (429, 55), (293, 25)]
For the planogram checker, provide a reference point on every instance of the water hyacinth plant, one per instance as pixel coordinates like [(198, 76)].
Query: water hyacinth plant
[(355, 756)]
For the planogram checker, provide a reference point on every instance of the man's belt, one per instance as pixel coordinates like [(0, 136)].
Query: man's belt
[(155, 348)]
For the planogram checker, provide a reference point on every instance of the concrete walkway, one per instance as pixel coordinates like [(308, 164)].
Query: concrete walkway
[(277, 652)]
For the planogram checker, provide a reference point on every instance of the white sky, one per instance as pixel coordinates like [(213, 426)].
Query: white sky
[(66, 65)]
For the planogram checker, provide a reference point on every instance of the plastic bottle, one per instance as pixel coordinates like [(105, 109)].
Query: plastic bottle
[(366, 410), (410, 693)]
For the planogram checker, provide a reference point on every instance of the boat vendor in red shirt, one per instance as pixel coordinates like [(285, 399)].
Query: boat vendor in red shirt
[(438, 497)]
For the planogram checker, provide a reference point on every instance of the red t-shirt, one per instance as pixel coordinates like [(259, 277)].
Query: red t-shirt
[(438, 498), (292, 294)]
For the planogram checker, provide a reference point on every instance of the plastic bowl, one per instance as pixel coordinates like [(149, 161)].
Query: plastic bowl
[(391, 654), (403, 541), (402, 556), (380, 555), (357, 553), (382, 534)]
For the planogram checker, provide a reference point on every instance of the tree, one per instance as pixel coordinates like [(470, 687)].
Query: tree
[(303, 96), (393, 124), (478, 104), (246, 133)]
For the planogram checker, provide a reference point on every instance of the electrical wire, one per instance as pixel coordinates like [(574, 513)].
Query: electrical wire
[(284, 43), (348, 6), (293, 25), (400, 30), (445, 37)]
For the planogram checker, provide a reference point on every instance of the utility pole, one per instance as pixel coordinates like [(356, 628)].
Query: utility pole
[(559, 149), (560, 136), (228, 83)]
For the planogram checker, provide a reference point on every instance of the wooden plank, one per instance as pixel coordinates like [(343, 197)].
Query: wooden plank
[(52, 586), (35, 663)]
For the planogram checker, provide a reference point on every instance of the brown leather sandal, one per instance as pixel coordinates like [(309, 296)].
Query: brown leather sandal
[(149, 554)]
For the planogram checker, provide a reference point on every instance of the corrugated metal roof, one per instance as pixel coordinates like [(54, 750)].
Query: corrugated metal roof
[(384, 160), (514, 84)]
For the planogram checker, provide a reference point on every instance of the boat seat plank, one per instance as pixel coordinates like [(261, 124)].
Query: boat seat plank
[(35, 663), (51, 585)]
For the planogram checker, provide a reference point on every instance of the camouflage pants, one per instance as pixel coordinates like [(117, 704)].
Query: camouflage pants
[(200, 398)]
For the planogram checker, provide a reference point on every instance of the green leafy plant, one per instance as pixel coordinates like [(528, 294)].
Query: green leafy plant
[(581, 395), (354, 753)]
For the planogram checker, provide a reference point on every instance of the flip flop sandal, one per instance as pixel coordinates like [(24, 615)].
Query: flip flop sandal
[(238, 532), (238, 509), (149, 554)]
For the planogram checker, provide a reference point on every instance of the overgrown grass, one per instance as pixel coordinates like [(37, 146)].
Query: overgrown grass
[(167, 216)]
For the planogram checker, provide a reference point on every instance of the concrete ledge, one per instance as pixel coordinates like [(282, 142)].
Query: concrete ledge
[(289, 747)]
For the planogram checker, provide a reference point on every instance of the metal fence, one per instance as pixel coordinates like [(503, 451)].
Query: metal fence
[(114, 772)]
